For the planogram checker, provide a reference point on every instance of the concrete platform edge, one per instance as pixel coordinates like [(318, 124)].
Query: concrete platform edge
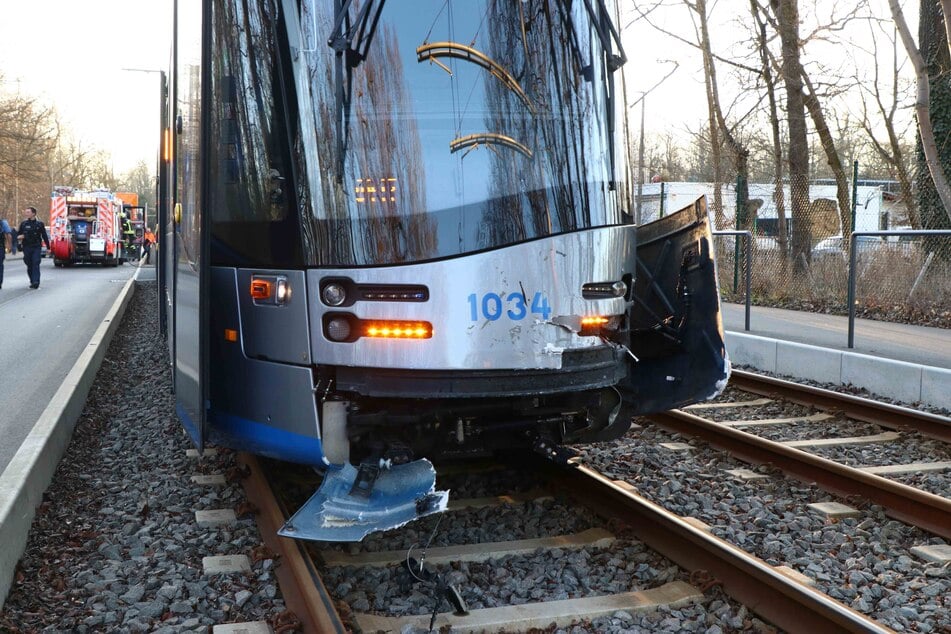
[(26, 477), (907, 382)]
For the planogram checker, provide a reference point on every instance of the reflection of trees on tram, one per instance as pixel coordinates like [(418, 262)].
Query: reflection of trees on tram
[(445, 127), (385, 164), (548, 193), (251, 164), (371, 177)]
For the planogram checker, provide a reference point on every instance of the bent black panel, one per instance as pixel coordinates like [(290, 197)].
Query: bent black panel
[(675, 327)]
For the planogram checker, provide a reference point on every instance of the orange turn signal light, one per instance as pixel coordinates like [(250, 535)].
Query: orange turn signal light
[(260, 289), (231, 335), (398, 329), (591, 326)]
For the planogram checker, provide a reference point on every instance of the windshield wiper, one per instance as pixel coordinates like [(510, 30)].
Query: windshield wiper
[(351, 46), (356, 40), (600, 19)]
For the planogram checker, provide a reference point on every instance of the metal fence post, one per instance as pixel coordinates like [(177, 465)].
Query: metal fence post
[(855, 192), (748, 254)]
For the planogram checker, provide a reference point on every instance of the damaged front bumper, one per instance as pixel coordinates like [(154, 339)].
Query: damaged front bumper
[(352, 503)]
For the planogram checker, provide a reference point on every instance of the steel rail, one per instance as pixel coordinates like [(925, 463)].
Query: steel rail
[(301, 586), (884, 414), (919, 508), (781, 600)]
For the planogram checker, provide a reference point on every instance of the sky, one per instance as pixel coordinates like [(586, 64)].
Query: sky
[(72, 54)]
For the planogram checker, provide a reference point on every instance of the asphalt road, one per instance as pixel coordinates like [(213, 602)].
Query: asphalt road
[(43, 332)]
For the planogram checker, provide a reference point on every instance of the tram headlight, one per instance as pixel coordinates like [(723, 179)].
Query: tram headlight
[(338, 329), (283, 293), (603, 290), (334, 294)]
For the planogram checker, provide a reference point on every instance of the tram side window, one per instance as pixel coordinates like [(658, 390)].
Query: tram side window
[(254, 219)]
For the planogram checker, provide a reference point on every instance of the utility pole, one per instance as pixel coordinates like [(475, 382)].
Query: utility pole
[(640, 162)]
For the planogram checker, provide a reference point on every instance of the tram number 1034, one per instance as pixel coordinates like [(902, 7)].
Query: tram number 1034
[(515, 306)]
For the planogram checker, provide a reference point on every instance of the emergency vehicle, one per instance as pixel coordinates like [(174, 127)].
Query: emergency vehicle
[(85, 226)]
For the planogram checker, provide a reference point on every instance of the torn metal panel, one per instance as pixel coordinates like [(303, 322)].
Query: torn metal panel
[(350, 504), (675, 333)]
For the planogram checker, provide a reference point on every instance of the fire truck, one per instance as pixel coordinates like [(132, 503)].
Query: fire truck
[(86, 226)]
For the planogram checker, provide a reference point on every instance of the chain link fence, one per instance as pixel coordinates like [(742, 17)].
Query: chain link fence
[(801, 253)]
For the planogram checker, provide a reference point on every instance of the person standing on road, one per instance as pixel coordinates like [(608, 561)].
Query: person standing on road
[(148, 239), (32, 234), (6, 244)]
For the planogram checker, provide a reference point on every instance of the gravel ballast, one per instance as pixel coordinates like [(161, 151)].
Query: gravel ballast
[(864, 562), (115, 546)]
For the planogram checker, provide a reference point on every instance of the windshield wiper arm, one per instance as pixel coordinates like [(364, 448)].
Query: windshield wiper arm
[(351, 46), (356, 40), (614, 61)]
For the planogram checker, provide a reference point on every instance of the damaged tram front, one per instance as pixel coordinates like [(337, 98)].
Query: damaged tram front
[(400, 230)]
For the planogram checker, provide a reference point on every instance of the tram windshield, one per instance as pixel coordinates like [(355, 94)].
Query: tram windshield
[(415, 129)]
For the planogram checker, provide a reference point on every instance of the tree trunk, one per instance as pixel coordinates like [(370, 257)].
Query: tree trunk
[(779, 197), (787, 14), (945, 9), (832, 156), (719, 221), (740, 153), (928, 23)]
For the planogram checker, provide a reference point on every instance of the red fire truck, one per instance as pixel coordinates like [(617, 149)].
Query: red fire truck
[(86, 226)]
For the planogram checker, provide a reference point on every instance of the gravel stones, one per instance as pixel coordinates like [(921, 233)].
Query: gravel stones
[(864, 562), (114, 545)]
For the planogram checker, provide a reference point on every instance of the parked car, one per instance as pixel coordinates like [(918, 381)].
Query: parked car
[(833, 246)]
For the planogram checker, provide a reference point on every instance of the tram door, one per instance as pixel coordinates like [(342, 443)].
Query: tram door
[(189, 256)]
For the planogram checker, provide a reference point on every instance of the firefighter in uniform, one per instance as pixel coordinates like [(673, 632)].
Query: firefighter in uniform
[(31, 235), (128, 234)]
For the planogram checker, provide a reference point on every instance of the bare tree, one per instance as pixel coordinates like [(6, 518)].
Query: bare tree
[(923, 108), (890, 152), (740, 153), (141, 180), (770, 82), (787, 15), (28, 133), (716, 121), (72, 164), (832, 156)]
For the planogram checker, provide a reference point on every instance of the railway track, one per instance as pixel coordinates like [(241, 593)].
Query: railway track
[(705, 562), (744, 438)]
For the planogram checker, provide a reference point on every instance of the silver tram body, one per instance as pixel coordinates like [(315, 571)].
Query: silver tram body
[(397, 230)]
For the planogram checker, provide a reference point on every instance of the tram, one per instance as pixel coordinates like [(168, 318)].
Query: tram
[(399, 230)]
